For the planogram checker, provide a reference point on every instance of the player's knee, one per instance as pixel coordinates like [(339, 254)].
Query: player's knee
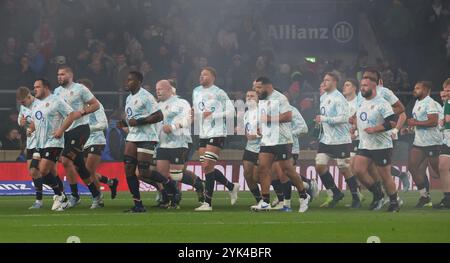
[(130, 164), (343, 163), (34, 165), (176, 174), (321, 169), (322, 159), (143, 166)]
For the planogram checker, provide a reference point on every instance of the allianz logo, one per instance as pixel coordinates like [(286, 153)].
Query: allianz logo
[(342, 32)]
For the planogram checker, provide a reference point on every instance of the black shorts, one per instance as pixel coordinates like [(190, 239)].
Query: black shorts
[(445, 150), (30, 153), (250, 156), (149, 146), (51, 153), (215, 141), (338, 151), (173, 155), (190, 152), (74, 140), (355, 145), (381, 157), (94, 149), (430, 151), (281, 152)]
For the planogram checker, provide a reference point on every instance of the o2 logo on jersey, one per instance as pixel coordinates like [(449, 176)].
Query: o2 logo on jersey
[(129, 112), (363, 116), (201, 106), (28, 118), (322, 110), (213, 109), (38, 115)]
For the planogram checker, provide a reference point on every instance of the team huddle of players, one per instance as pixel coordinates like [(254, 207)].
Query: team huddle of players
[(357, 130)]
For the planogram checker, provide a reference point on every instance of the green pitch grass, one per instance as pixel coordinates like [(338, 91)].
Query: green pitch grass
[(225, 224)]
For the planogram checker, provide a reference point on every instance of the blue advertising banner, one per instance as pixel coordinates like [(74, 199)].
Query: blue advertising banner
[(27, 188)]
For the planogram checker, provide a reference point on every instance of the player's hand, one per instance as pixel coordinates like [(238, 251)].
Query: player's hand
[(132, 122), (352, 120), (318, 119), (403, 131), (23, 121), (370, 130), (58, 133), (167, 129), (206, 114), (411, 122), (258, 132)]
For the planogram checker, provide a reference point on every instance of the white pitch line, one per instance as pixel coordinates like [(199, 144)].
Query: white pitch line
[(184, 223)]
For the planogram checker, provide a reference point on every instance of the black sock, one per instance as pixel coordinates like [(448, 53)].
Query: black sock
[(153, 183), (74, 189), (51, 181), (353, 185), (93, 189), (103, 179), (38, 187), (256, 193), (393, 197), (198, 185), (209, 186), (276, 184), (375, 189), (427, 184), (223, 180), (60, 183), (171, 187), (187, 179), (164, 196), (328, 182), (302, 194), (266, 198), (287, 189), (306, 180), (395, 172), (158, 177), (81, 166), (133, 186)]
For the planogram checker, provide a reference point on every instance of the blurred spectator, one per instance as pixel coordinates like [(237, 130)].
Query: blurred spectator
[(192, 79), (164, 58), (44, 38), (150, 77), (68, 44), (26, 77), (98, 75), (37, 61), (120, 72), (237, 79), (12, 140), (282, 78)]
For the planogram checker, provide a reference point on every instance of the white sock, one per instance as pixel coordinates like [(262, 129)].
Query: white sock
[(306, 185), (287, 203)]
